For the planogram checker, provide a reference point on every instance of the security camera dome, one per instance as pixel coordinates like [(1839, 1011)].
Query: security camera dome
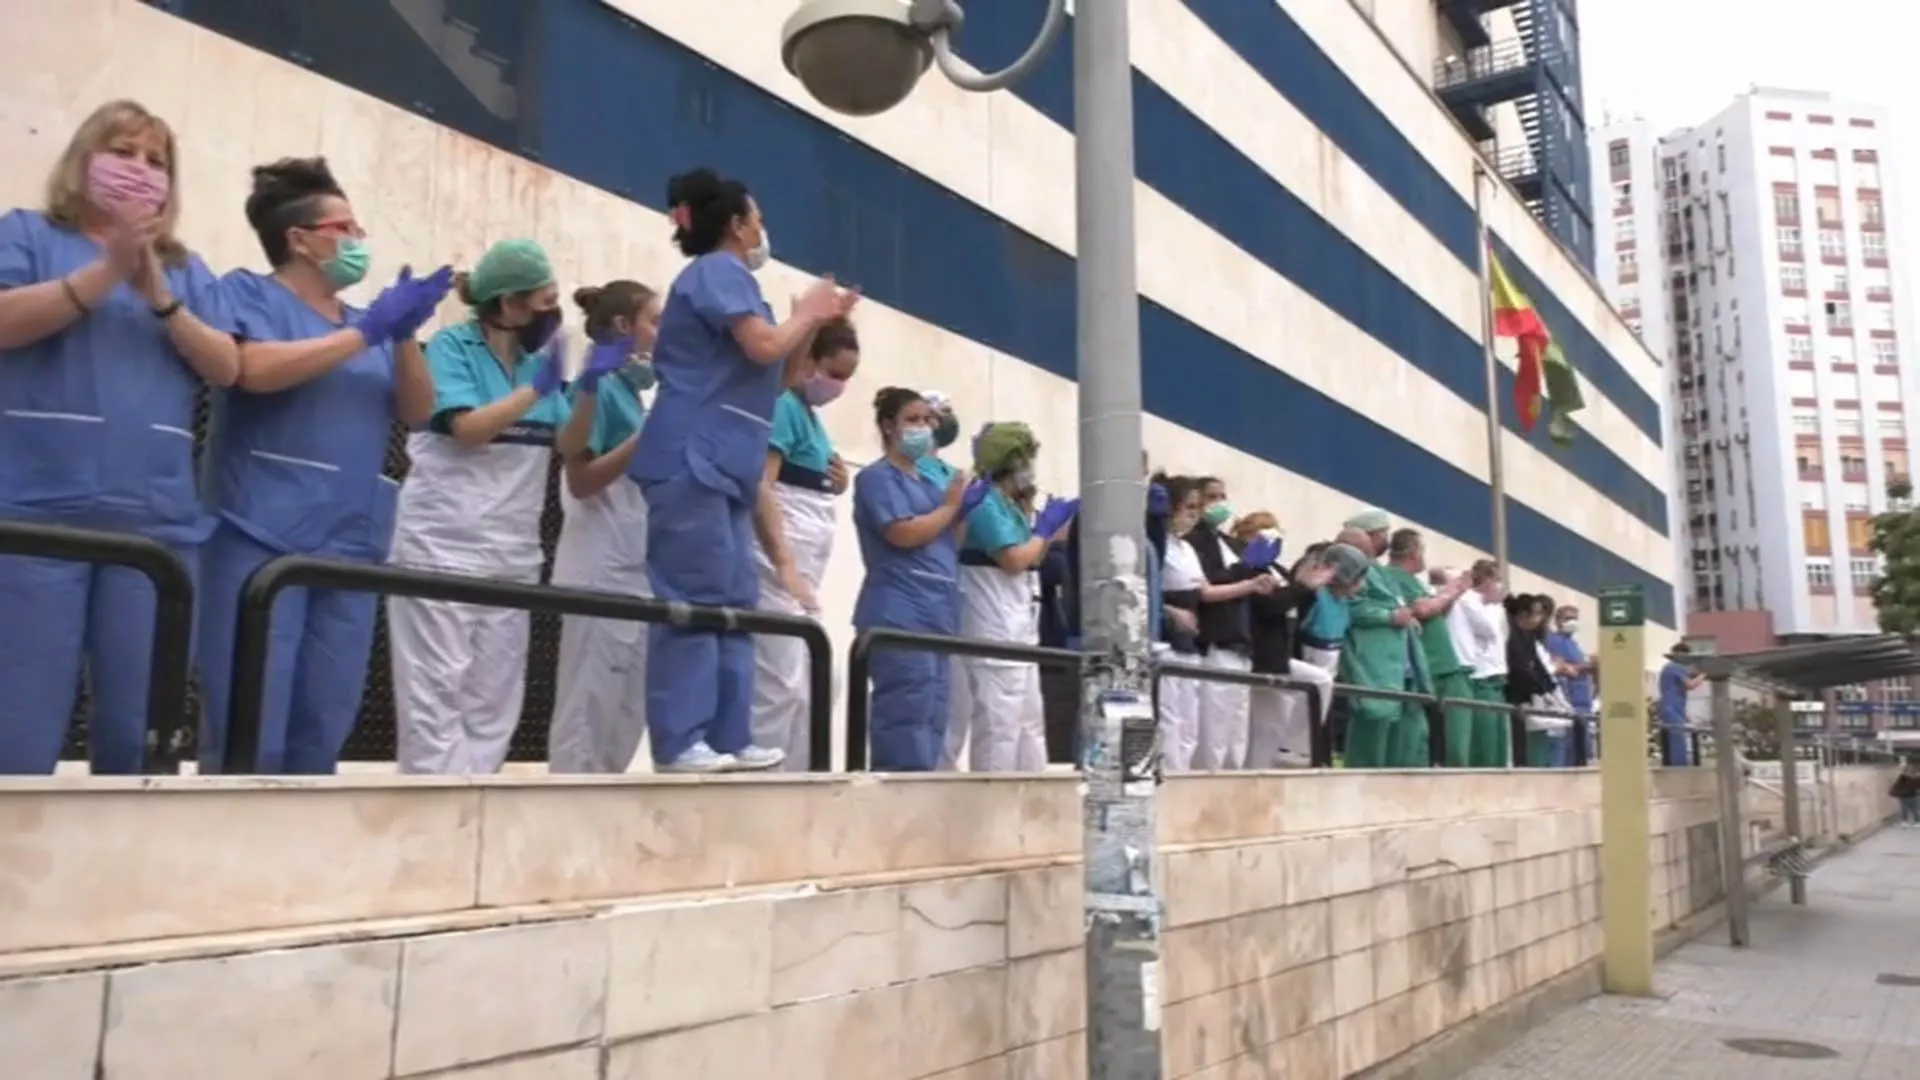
[(858, 57)]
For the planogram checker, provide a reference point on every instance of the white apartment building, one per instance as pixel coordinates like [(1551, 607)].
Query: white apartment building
[(1757, 261)]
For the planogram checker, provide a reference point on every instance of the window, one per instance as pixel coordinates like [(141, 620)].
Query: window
[(1623, 230), (1800, 385), (1813, 534), (1806, 421), (1870, 211), (1874, 245), (1854, 495), (1839, 315), (1893, 427), (1793, 278), (1860, 533), (1617, 152), (1788, 237), (1866, 174), (1878, 283), (1794, 310), (1786, 205), (1879, 316), (1827, 205), (1720, 152), (1852, 465), (1847, 425), (1799, 347), (1833, 244), (1820, 573), (1837, 282), (1864, 571), (1813, 495), (1629, 264), (1885, 354)]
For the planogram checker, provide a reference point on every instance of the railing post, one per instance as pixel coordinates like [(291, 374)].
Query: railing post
[(1726, 762), (859, 659), (1789, 786)]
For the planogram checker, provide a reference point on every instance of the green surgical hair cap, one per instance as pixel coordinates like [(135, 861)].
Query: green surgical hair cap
[(508, 267)]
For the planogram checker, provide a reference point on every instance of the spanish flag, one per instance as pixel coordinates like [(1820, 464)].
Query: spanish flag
[(1543, 367)]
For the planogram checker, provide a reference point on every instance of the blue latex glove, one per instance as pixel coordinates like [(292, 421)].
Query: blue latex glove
[(1260, 553), (1054, 517), (975, 494), (605, 357), (380, 323), (425, 295), (1159, 504), (550, 377)]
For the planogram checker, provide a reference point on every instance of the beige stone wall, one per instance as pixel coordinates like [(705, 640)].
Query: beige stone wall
[(860, 930)]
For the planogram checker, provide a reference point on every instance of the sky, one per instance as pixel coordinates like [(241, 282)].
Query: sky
[(1679, 62)]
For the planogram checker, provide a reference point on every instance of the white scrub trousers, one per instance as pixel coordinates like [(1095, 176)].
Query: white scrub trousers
[(1179, 711), (782, 691), (1281, 735), (1224, 718), (600, 696), (999, 700)]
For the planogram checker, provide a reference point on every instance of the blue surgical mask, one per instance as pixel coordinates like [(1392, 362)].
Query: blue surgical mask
[(916, 442)]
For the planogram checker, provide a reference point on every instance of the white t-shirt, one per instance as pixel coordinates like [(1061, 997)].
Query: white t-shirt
[(1182, 571)]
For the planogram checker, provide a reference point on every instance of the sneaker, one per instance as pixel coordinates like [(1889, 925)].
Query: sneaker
[(756, 758), (700, 758)]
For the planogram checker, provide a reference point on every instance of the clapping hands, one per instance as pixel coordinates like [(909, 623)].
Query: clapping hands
[(1054, 517), (825, 300), (404, 306)]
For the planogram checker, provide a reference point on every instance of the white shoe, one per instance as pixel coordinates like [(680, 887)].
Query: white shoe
[(700, 758), (753, 758)]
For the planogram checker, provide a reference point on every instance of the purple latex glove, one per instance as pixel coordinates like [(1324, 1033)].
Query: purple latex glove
[(550, 377), (975, 494), (1056, 515), (424, 297), (1159, 503), (605, 357), (1260, 553)]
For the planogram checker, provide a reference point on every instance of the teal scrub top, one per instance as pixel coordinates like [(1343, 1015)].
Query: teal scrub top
[(935, 471), (798, 436), (996, 524), (466, 376)]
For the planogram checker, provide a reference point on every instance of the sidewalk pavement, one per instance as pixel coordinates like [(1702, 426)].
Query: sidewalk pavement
[(1835, 985)]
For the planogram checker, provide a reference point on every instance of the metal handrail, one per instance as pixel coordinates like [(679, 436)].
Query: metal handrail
[(252, 643), (1319, 742), (860, 662), (172, 659)]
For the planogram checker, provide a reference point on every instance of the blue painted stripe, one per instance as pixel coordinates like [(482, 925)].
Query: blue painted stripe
[(1271, 43), (1184, 159), (620, 106)]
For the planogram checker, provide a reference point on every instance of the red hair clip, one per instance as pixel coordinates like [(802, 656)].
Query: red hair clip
[(681, 217)]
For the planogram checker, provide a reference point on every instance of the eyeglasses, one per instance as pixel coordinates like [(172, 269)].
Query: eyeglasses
[(343, 226)]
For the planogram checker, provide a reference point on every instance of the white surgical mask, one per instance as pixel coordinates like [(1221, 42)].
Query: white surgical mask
[(758, 255), (1570, 627)]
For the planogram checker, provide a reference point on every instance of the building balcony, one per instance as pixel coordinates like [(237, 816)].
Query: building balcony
[(1464, 18), (1518, 166), (1485, 76)]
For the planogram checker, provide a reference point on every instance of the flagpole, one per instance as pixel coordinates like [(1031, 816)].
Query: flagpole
[(1496, 467)]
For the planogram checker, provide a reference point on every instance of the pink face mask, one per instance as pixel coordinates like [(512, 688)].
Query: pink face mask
[(123, 185), (820, 390)]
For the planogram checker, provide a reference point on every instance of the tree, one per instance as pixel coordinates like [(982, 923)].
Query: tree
[(1896, 537)]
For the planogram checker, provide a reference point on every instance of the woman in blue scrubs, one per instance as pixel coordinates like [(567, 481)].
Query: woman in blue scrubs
[(296, 460), (908, 529), (471, 504), (600, 678), (109, 327), (699, 461)]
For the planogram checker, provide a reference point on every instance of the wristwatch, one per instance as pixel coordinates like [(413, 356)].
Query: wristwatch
[(167, 312)]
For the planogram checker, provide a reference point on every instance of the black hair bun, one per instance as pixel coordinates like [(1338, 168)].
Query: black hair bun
[(587, 297), (286, 181), (694, 188)]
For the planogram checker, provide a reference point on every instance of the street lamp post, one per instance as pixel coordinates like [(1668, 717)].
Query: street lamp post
[(862, 57)]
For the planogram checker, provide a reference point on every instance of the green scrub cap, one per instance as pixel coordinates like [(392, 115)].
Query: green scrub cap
[(1370, 520), (508, 267), (1001, 444)]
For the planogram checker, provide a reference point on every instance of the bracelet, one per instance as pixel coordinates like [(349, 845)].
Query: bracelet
[(73, 296), (168, 312)]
